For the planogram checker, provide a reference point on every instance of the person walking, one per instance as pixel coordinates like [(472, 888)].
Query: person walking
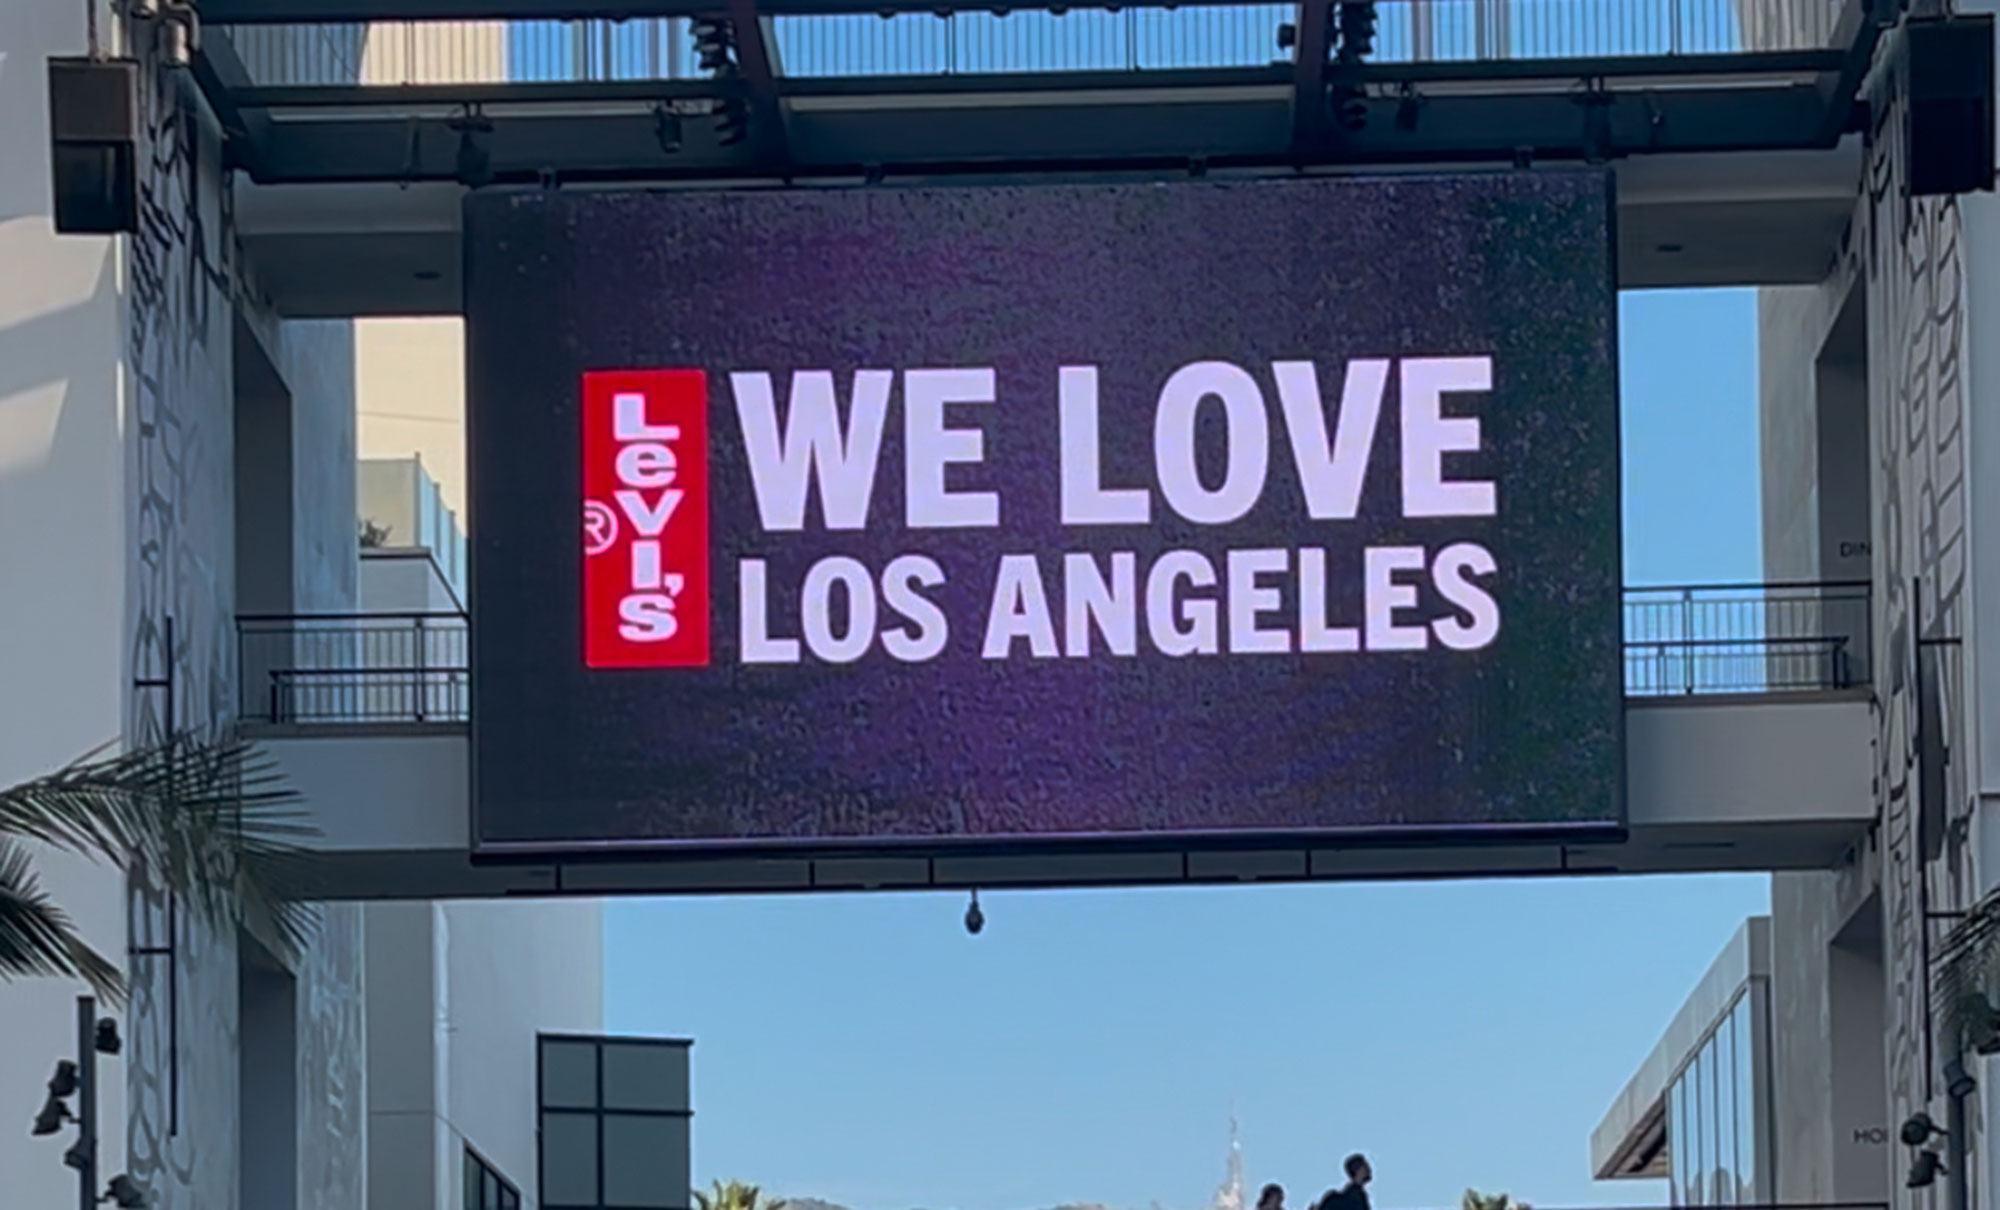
[(1354, 1194)]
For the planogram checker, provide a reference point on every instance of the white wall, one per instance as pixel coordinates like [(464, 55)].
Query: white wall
[(62, 611), (456, 995)]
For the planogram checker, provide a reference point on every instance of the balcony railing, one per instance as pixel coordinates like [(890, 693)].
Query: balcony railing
[(1771, 638), (354, 668), (1717, 639), (1012, 38)]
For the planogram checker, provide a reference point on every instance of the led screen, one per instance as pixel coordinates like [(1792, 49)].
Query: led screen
[(948, 516)]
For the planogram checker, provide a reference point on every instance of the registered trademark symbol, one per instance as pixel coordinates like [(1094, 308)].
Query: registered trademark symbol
[(600, 527)]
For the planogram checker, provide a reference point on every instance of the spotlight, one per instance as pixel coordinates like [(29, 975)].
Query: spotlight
[(1356, 19), (732, 120), (78, 1156), (473, 167), (975, 920), (125, 1193), (1409, 107), (1924, 1170), (1959, 1083), (54, 1113), (1918, 1130), (107, 1041), (1350, 108), (63, 1083), (714, 42), (667, 129)]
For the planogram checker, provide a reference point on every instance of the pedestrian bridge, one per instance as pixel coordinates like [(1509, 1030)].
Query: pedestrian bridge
[(1749, 746), (356, 126)]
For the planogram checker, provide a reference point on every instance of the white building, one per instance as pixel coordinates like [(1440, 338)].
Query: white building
[(1881, 456), (173, 457)]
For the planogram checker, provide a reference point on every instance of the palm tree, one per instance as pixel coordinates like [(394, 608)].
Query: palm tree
[(1475, 1200), (210, 821), (735, 1195), (1966, 975)]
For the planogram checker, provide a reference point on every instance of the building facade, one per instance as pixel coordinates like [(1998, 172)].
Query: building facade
[(1881, 463), (174, 456)]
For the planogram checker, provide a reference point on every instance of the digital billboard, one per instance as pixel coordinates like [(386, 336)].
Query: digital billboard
[(947, 517)]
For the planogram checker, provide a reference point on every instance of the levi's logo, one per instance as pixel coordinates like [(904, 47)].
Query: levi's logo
[(645, 519)]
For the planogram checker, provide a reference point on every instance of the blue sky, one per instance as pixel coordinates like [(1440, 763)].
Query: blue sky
[(1090, 1045)]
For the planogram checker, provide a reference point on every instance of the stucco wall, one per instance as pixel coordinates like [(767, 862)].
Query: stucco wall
[(1920, 260), (187, 282), (456, 994)]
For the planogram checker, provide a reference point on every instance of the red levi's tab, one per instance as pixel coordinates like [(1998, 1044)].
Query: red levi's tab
[(645, 519)]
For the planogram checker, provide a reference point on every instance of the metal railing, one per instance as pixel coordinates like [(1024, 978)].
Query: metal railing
[(1082, 38), (1770, 638), (1720, 639), (354, 668)]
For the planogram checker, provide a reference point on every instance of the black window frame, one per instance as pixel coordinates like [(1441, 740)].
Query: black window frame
[(486, 1188), (598, 1113)]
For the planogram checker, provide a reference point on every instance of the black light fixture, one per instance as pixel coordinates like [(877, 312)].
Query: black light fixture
[(975, 920), (1924, 1170), (1356, 19), (714, 43), (473, 167), (63, 1082), (1350, 107), (1409, 108), (54, 1113), (667, 129), (107, 1041), (125, 1193), (1918, 1129)]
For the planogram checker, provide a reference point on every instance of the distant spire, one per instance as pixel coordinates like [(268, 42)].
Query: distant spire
[(1230, 1195)]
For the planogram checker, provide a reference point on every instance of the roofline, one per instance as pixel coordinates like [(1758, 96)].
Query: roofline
[(1633, 1126)]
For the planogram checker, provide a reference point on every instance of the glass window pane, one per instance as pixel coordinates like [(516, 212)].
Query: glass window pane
[(569, 1074), (569, 1159), (1744, 1033), (509, 1200), (641, 1076), (1677, 1142), (1711, 1134), (489, 1193), (470, 1196), (1725, 1114), (1697, 1183), (645, 1161)]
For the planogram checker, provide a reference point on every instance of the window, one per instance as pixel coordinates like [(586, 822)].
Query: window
[(485, 1188), (1749, 1190), (614, 1123)]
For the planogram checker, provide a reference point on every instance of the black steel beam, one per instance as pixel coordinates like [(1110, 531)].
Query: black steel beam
[(1856, 35), (756, 60), (406, 97), (222, 78), (285, 12), (1083, 134), (1378, 75), (1309, 54)]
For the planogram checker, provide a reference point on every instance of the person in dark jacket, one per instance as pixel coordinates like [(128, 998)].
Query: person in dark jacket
[(1272, 1197), (1354, 1194)]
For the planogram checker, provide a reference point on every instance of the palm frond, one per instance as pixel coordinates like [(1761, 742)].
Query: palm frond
[(1966, 970), (37, 938), (210, 819)]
